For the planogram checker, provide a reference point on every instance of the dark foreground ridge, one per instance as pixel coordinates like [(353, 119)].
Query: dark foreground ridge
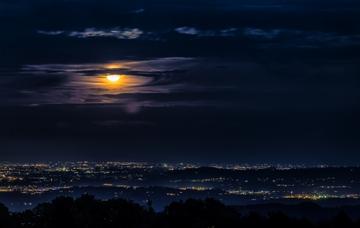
[(87, 211)]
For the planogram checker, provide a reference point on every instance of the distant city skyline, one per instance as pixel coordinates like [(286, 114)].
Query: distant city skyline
[(24, 186)]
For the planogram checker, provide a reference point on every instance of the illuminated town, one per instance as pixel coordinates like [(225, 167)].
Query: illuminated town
[(23, 186)]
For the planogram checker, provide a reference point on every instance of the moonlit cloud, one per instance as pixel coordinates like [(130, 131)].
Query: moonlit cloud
[(261, 33), (126, 33), (206, 33), (50, 33), (119, 33), (278, 37), (301, 38), (187, 30), (87, 83)]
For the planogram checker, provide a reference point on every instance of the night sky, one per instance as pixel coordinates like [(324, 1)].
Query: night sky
[(258, 81)]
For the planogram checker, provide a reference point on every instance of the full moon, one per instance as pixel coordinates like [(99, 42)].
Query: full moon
[(113, 77)]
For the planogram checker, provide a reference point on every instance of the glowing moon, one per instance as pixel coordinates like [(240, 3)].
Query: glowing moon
[(113, 77)]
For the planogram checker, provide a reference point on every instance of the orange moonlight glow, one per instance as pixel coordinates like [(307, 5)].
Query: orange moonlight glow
[(113, 77)]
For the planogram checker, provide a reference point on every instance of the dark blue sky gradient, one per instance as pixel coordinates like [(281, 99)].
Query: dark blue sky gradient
[(215, 81)]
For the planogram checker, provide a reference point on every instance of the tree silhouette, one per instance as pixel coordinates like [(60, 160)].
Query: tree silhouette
[(198, 213), (88, 212), (4, 216)]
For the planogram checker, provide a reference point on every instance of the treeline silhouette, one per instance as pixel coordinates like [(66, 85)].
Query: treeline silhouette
[(88, 212)]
